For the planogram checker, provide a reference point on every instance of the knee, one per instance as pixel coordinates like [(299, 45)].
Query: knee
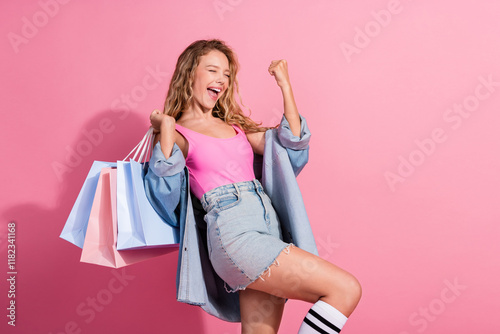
[(348, 291), (353, 290)]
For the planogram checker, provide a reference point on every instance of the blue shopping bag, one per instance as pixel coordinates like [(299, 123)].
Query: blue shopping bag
[(76, 225), (139, 225)]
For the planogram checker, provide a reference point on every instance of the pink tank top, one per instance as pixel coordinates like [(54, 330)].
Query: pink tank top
[(213, 162)]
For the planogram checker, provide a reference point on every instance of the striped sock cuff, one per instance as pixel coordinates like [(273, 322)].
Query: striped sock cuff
[(325, 319), (332, 313)]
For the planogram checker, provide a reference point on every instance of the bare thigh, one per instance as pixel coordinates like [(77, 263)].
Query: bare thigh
[(301, 275), (260, 312)]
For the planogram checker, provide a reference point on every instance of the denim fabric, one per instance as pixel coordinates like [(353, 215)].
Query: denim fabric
[(197, 282), (243, 232)]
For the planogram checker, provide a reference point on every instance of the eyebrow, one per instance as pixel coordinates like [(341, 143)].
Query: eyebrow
[(227, 70)]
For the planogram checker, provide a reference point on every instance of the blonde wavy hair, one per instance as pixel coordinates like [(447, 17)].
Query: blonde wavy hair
[(180, 92)]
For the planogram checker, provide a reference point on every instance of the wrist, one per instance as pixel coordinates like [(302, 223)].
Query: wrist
[(166, 122), (286, 88)]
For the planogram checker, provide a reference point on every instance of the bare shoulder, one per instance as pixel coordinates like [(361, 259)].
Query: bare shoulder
[(178, 139), (182, 142)]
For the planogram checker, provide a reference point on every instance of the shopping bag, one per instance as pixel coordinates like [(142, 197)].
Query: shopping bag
[(99, 246), (139, 225), (76, 225)]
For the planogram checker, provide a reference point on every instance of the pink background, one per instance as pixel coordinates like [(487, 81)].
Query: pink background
[(378, 82)]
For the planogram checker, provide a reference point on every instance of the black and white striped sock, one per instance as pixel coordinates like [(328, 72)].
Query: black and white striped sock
[(322, 318)]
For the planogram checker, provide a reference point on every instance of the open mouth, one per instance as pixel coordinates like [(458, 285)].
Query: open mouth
[(214, 92)]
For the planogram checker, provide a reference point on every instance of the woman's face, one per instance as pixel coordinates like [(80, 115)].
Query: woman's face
[(211, 79)]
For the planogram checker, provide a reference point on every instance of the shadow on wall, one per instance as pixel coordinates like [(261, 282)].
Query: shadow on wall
[(55, 293)]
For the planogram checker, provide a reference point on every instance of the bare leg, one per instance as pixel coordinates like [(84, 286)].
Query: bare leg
[(305, 276), (260, 312)]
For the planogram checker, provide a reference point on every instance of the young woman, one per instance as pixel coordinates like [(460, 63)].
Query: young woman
[(244, 238)]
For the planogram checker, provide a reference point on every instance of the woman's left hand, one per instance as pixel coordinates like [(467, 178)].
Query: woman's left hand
[(279, 69)]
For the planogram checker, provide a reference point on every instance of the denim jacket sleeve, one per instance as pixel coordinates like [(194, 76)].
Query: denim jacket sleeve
[(297, 147), (284, 157), (163, 183)]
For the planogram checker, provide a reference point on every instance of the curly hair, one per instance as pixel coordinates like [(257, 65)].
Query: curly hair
[(180, 92)]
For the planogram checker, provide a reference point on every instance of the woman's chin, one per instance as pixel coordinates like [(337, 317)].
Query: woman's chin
[(210, 104)]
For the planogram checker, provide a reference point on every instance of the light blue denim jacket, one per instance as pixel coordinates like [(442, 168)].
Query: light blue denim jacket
[(167, 187)]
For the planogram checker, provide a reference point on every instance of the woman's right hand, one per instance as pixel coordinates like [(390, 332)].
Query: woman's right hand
[(160, 120)]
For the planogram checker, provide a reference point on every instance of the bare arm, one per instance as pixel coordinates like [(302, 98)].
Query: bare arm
[(164, 127), (257, 141), (279, 69)]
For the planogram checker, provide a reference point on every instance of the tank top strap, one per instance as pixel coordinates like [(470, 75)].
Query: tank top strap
[(237, 129), (185, 131)]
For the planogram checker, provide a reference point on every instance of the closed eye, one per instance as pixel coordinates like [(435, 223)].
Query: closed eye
[(227, 75)]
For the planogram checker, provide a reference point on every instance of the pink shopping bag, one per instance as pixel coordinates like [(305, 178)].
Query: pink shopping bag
[(99, 246)]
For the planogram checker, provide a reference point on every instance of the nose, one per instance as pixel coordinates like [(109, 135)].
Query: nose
[(221, 79)]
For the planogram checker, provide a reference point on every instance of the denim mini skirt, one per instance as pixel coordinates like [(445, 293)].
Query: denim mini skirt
[(243, 233)]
